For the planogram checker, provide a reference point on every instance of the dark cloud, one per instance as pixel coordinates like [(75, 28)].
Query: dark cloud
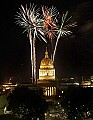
[(88, 26), (83, 11)]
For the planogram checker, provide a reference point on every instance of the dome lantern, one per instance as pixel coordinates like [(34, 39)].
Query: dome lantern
[(46, 53)]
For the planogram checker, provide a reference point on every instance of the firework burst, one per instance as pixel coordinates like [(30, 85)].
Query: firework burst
[(49, 21), (63, 30), (52, 29), (30, 20)]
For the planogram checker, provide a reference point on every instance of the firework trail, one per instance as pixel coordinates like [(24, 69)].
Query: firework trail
[(63, 30)]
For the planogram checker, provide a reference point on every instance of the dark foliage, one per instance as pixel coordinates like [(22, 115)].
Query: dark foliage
[(78, 102), (8, 117), (26, 103)]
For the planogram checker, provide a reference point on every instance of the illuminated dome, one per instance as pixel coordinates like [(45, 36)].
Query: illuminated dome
[(46, 62), (47, 70)]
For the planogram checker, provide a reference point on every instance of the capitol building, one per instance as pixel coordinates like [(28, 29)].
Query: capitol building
[(47, 75)]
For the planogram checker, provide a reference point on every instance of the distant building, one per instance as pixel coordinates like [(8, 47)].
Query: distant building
[(91, 78), (8, 86), (86, 83)]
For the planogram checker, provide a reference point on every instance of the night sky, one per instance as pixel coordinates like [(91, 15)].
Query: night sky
[(74, 55)]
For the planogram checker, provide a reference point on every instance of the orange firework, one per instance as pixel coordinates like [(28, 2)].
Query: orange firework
[(49, 19)]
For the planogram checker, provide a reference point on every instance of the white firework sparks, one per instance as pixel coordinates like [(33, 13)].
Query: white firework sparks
[(52, 11), (29, 19)]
